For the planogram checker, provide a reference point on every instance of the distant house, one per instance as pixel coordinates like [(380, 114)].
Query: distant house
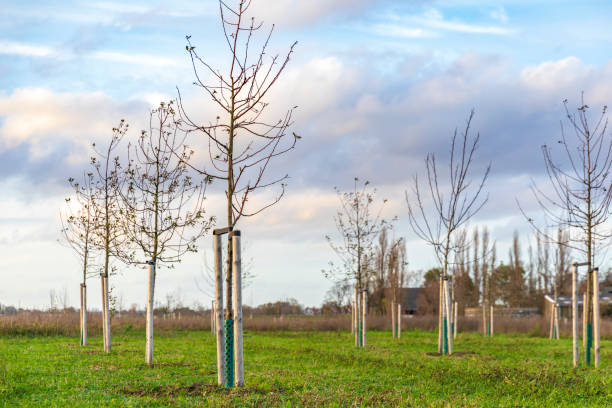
[(408, 299), (565, 301)]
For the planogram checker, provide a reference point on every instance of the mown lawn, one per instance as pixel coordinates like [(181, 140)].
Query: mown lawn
[(302, 369)]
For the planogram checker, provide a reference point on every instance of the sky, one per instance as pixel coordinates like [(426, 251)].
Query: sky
[(378, 85)]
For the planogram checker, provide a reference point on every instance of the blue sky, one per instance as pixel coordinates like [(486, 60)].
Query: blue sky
[(378, 84)]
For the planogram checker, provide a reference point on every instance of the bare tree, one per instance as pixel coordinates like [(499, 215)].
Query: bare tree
[(580, 196), (242, 140), (454, 201), (109, 235), (358, 225), (164, 214), (78, 223)]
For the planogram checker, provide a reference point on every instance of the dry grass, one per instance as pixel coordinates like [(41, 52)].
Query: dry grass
[(67, 323)]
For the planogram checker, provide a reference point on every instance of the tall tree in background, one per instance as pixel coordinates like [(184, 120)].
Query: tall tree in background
[(516, 289), (388, 271), (109, 235), (165, 208), (531, 275), (242, 140), (562, 264), (78, 225), (543, 264), (462, 282), (454, 200), (476, 271), (382, 260), (396, 278)]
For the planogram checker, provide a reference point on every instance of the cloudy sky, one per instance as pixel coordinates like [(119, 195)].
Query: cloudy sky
[(379, 83)]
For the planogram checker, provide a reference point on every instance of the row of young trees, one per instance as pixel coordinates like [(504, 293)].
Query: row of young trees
[(575, 207), (144, 205), (384, 272), (143, 210)]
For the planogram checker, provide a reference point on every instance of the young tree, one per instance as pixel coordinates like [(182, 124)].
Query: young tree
[(580, 195), (164, 207), (455, 201), (242, 140), (78, 225), (108, 234), (358, 225)]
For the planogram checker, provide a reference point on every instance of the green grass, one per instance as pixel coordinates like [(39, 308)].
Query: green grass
[(295, 369)]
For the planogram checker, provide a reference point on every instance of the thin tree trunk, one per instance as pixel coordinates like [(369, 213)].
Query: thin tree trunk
[(455, 321), (107, 320), (575, 317), (353, 317), (237, 270), (150, 305), (584, 320), (440, 315), (364, 307), (557, 316), (484, 318), (212, 317), (357, 318), (103, 300), (491, 324), (84, 314), (449, 332), (81, 314), (399, 320), (219, 309), (393, 324), (552, 320), (596, 315)]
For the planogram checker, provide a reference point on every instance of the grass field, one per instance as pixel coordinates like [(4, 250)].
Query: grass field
[(302, 369)]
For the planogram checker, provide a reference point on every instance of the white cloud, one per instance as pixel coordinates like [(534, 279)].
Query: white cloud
[(401, 31), (426, 24), (288, 12), (121, 7), (458, 26), (29, 50), (43, 118), (551, 75), (354, 122)]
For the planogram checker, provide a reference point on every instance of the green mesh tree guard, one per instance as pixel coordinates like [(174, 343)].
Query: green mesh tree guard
[(360, 333), (229, 353), (589, 343), (444, 336)]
